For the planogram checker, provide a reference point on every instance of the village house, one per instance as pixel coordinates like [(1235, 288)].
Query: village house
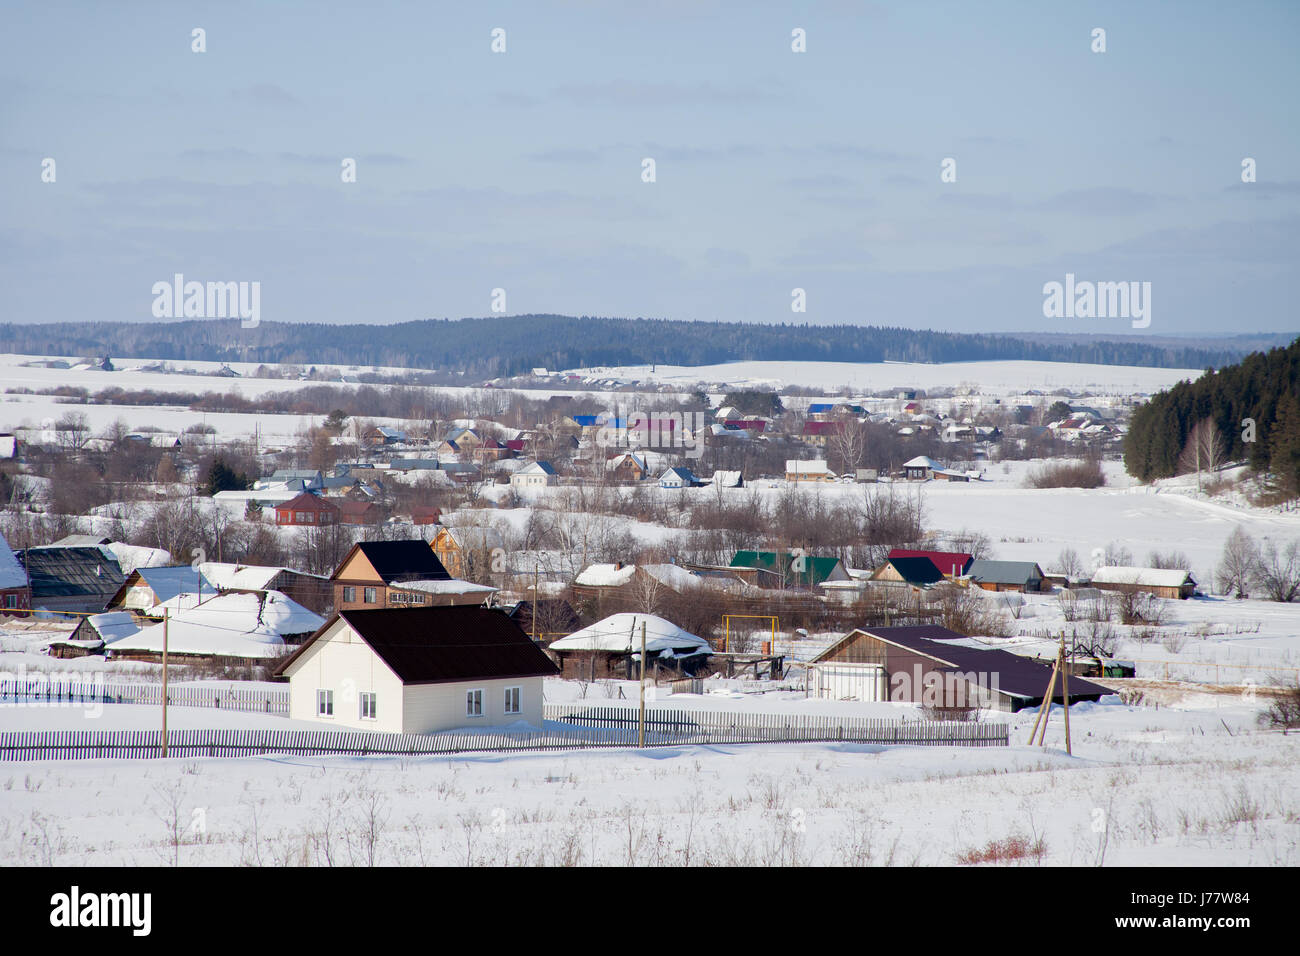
[(312, 591), (355, 512), (71, 579), (1024, 576), (952, 564), (915, 571), (818, 433), (922, 665), (627, 467), (417, 671), (1160, 582), (400, 574), (768, 569), (146, 588), (816, 470), (612, 648), (15, 594), (469, 550), (228, 628), (307, 509), (679, 477), (534, 475)]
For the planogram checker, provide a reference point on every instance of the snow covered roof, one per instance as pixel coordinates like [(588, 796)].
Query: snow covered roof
[(923, 461), (444, 586), (132, 557), (244, 577), (817, 467), (1145, 577), (605, 575), (615, 633), (476, 537), (672, 575), (12, 574), (240, 624), (113, 626)]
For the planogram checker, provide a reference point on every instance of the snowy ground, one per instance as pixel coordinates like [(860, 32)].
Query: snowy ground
[(1193, 785)]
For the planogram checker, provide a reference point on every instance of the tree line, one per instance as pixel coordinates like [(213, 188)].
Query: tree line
[(1253, 406), (511, 345)]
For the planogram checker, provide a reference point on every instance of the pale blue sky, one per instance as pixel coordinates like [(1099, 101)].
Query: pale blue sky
[(522, 170)]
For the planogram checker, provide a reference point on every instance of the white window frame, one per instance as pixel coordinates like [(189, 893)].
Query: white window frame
[(349, 593), (519, 700), (370, 595), (371, 698), (324, 702), (474, 699)]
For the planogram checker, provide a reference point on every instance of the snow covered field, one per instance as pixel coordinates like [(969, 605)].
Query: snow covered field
[(1196, 785), (994, 378)]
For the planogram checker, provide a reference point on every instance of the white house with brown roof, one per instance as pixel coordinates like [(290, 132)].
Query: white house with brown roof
[(418, 671)]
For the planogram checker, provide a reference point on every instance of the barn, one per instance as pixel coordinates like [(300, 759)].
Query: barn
[(922, 665), (1161, 582)]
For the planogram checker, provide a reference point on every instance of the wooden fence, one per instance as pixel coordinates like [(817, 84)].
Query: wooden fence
[(570, 728), (60, 691)]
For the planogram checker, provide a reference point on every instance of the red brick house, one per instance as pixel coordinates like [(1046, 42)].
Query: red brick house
[(359, 512), (426, 514), (307, 509)]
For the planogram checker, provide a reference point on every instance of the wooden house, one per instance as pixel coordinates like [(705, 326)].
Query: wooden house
[(399, 574), (71, 579), (469, 551), (1024, 576)]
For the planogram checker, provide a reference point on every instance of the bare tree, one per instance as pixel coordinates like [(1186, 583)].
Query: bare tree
[(1205, 450), (1070, 564), (72, 431), (1237, 565), (1277, 572)]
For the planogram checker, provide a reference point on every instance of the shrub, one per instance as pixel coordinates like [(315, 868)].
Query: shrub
[(1068, 474), (1283, 711), (1010, 850)]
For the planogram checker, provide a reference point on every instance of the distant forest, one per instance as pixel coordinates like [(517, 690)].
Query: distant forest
[(1264, 387), (504, 346)]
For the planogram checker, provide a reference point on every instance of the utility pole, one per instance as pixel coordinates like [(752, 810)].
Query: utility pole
[(640, 742), (534, 615), (166, 616)]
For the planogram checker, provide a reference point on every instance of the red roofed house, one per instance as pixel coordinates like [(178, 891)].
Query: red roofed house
[(307, 509), (746, 424), (359, 512), (951, 563), (819, 432)]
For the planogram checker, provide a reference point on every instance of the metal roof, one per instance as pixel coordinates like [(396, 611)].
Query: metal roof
[(916, 570), (410, 560), (433, 645), (72, 572), (1004, 572), (1016, 675)]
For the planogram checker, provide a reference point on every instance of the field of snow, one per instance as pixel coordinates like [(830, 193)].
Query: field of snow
[(1196, 785)]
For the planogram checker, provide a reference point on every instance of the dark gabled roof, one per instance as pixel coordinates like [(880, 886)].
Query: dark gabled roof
[(1016, 675), (434, 645), (72, 572), (943, 560), (410, 560), (919, 571)]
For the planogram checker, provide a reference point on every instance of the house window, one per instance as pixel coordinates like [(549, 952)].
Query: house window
[(474, 703), (349, 593), (368, 709), (513, 698), (11, 600), (324, 703), (370, 595)]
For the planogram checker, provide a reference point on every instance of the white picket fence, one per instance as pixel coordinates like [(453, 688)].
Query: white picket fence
[(36, 689)]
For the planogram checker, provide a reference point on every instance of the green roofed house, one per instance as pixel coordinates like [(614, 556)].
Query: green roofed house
[(770, 569)]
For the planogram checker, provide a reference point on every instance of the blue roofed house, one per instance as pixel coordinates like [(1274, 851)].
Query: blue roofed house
[(147, 588), (679, 477)]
